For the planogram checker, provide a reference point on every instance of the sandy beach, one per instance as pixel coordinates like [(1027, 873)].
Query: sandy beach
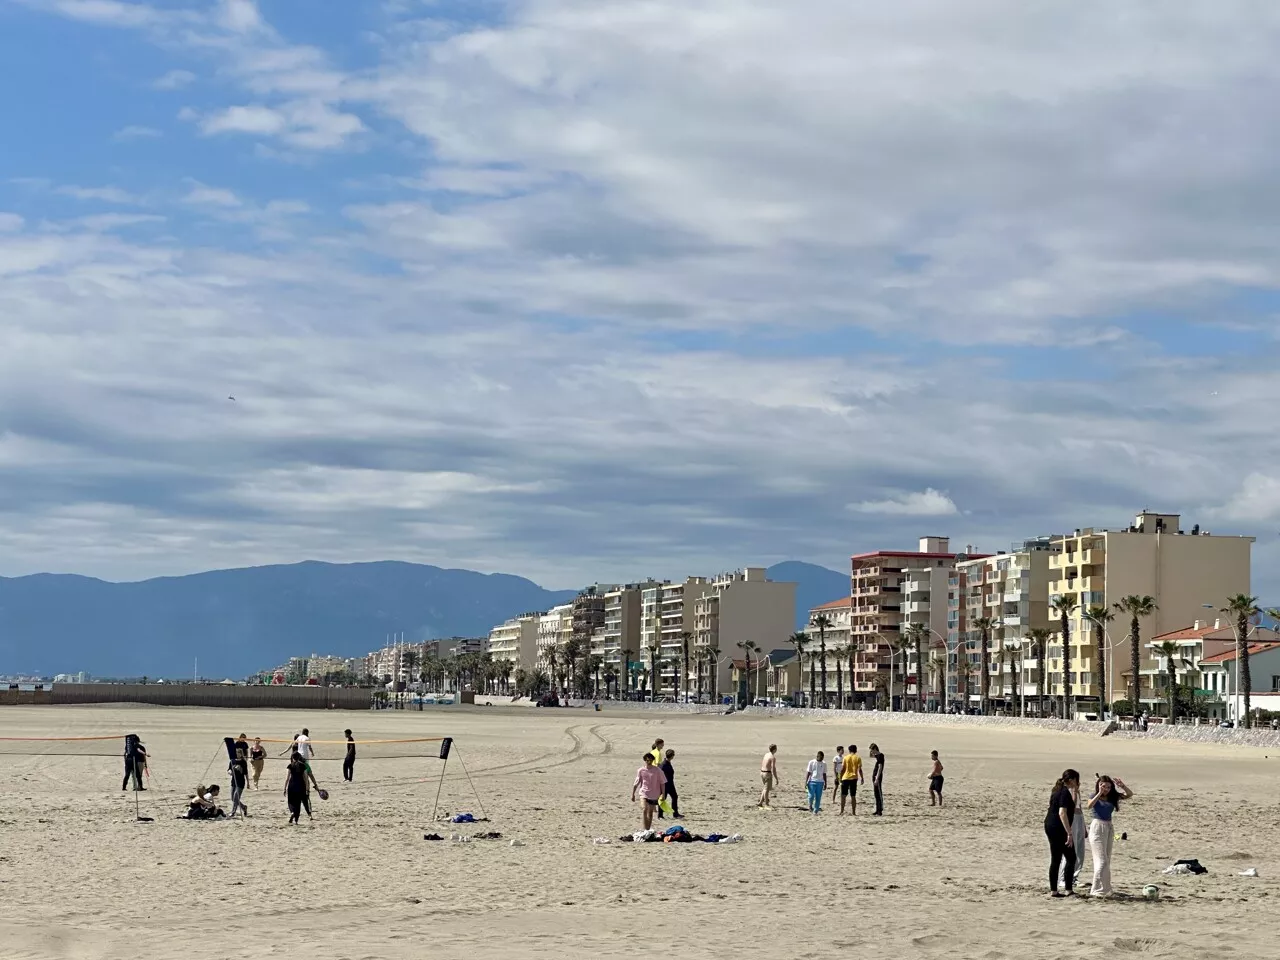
[(81, 878)]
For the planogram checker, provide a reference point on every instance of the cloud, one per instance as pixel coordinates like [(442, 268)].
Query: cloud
[(305, 124), (174, 80), (930, 503), (201, 195), (249, 119), (108, 12), (101, 194), (240, 16), (1257, 501), (10, 222), (136, 133)]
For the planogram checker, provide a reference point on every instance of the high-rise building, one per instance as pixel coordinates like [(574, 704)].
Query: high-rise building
[(837, 615), (516, 640), (617, 640), (1185, 572), (666, 617), (554, 628), (891, 589), (1008, 593), (730, 612)]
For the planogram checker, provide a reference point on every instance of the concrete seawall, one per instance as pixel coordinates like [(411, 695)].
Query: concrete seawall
[(196, 695)]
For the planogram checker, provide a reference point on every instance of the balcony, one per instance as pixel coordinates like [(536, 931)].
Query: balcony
[(1011, 620), (915, 606)]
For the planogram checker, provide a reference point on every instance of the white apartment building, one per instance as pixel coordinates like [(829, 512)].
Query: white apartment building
[(838, 616), (555, 627), (733, 609), (516, 640), (617, 640), (1009, 592), (666, 615)]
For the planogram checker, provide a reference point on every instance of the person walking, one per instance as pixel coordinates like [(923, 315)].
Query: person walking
[(877, 779), (295, 787), (349, 761), (238, 769), (815, 781), (1104, 803), (768, 776), (1057, 828), (837, 764), (935, 780), (257, 757), (850, 774), (669, 789), (650, 782)]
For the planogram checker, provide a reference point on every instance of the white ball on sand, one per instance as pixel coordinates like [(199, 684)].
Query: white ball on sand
[(1151, 891)]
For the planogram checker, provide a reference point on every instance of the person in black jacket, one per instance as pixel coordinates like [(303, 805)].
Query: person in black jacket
[(1057, 827), (349, 761), (671, 794), (135, 762)]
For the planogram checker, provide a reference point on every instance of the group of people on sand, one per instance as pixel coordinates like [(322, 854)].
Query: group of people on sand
[(655, 783), (1064, 826), (299, 778), (846, 775)]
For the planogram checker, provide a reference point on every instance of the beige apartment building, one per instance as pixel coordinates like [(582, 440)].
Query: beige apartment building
[(516, 640), (839, 616), (889, 590), (1185, 571), (1010, 591), (666, 616), (733, 609), (617, 640)]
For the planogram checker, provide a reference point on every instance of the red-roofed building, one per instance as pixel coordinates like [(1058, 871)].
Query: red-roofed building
[(890, 590), (1206, 659)]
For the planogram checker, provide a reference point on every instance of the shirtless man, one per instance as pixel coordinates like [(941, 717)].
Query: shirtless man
[(768, 775), (935, 780)]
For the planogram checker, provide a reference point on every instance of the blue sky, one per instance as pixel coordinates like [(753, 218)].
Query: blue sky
[(585, 288)]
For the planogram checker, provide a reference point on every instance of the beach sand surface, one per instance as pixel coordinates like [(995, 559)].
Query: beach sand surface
[(81, 878)]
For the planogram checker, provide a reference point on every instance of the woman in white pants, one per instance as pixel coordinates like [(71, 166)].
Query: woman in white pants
[(1105, 802)]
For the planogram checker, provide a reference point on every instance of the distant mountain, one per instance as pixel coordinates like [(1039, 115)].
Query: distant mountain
[(238, 621), (814, 585)]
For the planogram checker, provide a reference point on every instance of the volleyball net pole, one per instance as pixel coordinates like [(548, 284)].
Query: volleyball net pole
[(445, 746)]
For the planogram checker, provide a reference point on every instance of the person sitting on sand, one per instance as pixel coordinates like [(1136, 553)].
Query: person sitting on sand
[(204, 804), (768, 775), (650, 781)]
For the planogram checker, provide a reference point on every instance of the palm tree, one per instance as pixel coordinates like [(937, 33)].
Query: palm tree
[(1136, 607), (938, 668), (1064, 605), (1039, 637), (822, 621), (685, 637), (1100, 616), (595, 663), (799, 640), (409, 660), (840, 652), (713, 661), (984, 626), (916, 634), (1244, 608), (1173, 656), (899, 647), (851, 651), (881, 696), (653, 666)]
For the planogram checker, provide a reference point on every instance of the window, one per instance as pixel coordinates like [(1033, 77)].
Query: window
[(1275, 683)]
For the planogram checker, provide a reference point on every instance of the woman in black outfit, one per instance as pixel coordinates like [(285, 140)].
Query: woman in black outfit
[(295, 787), (1057, 827)]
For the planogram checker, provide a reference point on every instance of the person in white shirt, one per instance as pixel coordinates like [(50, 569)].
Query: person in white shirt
[(836, 764), (302, 745), (815, 779)]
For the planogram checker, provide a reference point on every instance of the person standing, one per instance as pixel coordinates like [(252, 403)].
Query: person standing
[(295, 787), (669, 788), (257, 757), (302, 746), (658, 746), (837, 764), (349, 762), (877, 779), (650, 781), (935, 780), (850, 774), (1104, 803), (1077, 837), (1057, 828), (815, 781), (135, 762), (238, 770), (768, 776)]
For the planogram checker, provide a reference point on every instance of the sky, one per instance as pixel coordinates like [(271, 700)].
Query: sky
[(599, 289)]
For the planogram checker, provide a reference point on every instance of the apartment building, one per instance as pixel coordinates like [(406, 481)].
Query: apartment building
[(516, 640), (732, 610), (451, 647), (589, 613), (1184, 571), (837, 615), (1007, 592), (890, 589), (617, 640), (666, 616), (555, 627)]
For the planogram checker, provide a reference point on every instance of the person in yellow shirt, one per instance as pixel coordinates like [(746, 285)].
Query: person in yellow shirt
[(657, 750), (850, 774)]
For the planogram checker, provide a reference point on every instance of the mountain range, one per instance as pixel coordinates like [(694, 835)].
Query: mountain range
[(238, 621)]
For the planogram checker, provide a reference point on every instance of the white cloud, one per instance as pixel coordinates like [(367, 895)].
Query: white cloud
[(201, 195), (930, 503), (306, 124), (240, 16), (101, 194), (1257, 501), (248, 119), (174, 80), (107, 12), (10, 222), (133, 132)]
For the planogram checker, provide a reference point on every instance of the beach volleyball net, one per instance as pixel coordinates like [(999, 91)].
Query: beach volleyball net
[(107, 746)]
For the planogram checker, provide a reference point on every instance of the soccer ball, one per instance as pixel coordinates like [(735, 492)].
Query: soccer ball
[(1151, 891)]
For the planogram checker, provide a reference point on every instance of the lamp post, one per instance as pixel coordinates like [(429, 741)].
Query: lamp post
[(1106, 657)]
